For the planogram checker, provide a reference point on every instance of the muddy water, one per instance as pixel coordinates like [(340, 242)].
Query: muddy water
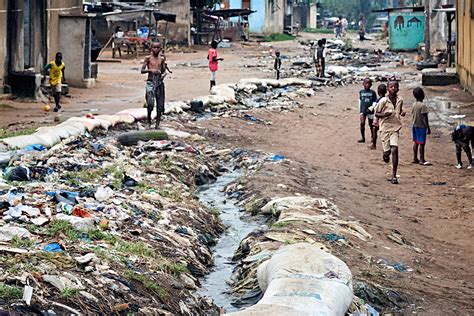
[(238, 226)]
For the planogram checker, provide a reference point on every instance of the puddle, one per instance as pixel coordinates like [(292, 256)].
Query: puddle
[(239, 225)]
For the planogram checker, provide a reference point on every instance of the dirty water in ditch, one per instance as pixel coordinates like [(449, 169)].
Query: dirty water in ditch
[(238, 226)]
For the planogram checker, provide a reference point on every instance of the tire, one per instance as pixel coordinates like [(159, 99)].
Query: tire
[(132, 138)]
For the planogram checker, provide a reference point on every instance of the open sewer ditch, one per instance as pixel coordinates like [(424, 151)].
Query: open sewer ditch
[(237, 226)]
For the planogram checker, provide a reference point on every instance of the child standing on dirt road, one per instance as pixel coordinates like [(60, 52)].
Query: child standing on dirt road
[(421, 126), (389, 111), (367, 97), (56, 78), (462, 136), (277, 65), (381, 91), (319, 56), (213, 62), (155, 66)]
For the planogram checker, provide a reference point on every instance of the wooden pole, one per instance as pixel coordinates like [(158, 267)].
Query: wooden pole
[(107, 44), (427, 29)]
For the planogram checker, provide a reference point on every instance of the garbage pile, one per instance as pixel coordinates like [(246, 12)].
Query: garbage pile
[(316, 223), (92, 226), (344, 64)]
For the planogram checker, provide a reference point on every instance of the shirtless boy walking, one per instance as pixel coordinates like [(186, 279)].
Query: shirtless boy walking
[(155, 66)]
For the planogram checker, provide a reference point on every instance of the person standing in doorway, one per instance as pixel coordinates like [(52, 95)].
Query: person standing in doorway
[(155, 66), (56, 78), (213, 62)]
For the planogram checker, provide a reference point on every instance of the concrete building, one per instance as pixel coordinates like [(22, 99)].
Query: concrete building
[(438, 26), (178, 33), (269, 17), (31, 32), (464, 43), (305, 14)]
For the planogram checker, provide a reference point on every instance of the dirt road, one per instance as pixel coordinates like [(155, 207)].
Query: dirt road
[(432, 207)]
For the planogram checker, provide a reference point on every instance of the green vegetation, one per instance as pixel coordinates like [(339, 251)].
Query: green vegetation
[(90, 175), (280, 224), (214, 211), (18, 242), (175, 269), (146, 162), (134, 248), (68, 293), (166, 164), (97, 234), (172, 194), (279, 37), (147, 283), (62, 226), (8, 292), (6, 133), (156, 288), (135, 275)]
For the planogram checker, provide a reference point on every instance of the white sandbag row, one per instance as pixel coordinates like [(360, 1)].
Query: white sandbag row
[(226, 91), (210, 100), (318, 283), (176, 107), (48, 136), (275, 83)]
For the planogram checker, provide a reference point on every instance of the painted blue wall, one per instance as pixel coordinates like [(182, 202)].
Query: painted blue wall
[(407, 30), (235, 4), (257, 19)]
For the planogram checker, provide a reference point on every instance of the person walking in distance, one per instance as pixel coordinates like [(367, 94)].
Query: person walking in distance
[(213, 62), (155, 66)]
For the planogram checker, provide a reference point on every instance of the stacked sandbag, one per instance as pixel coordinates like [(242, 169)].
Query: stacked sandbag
[(226, 91), (301, 279), (176, 107), (138, 113)]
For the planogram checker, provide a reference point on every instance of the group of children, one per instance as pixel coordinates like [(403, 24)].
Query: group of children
[(384, 112)]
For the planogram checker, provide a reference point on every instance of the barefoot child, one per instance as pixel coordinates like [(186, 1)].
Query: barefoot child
[(277, 65), (381, 91), (213, 62), (367, 97), (389, 111), (319, 56), (421, 126), (154, 66)]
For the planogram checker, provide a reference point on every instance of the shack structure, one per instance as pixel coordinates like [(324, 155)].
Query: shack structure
[(31, 32)]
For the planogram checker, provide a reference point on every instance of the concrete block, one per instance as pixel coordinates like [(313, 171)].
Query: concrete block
[(439, 79)]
